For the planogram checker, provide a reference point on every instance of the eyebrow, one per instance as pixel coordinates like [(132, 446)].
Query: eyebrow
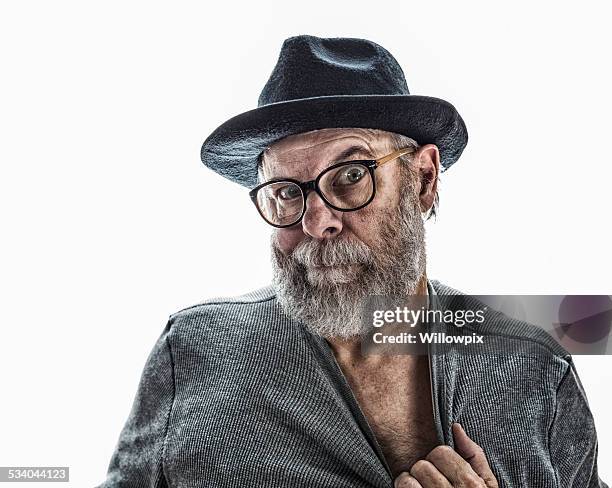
[(340, 157), (352, 151)]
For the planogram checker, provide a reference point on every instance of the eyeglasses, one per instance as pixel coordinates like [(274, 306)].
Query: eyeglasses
[(345, 186)]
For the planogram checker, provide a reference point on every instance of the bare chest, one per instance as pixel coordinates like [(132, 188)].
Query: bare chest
[(396, 401)]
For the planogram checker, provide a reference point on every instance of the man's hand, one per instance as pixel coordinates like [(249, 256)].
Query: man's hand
[(444, 467)]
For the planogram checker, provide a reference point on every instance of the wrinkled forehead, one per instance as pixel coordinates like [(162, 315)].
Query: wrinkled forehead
[(310, 152)]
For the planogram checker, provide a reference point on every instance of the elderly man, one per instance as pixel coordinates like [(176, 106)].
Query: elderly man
[(273, 388)]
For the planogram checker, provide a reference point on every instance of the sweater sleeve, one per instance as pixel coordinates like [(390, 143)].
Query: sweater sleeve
[(572, 438), (137, 459)]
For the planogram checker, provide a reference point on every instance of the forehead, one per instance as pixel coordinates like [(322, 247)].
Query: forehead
[(316, 149)]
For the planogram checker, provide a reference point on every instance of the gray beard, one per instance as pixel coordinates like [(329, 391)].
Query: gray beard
[(324, 283)]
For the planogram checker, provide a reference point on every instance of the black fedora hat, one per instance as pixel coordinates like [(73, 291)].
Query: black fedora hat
[(320, 83)]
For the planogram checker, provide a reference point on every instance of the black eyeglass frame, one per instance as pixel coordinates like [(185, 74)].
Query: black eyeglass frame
[(313, 185)]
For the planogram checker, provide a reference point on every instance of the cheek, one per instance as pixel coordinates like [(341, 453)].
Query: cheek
[(388, 189), (364, 224), (287, 239)]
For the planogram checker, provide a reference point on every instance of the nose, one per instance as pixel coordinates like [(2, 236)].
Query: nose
[(321, 221)]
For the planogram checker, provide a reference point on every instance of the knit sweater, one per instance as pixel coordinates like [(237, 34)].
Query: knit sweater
[(235, 393)]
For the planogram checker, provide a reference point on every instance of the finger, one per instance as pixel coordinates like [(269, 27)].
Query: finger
[(456, 469), (472, 453), (428, 475), (404, 480)]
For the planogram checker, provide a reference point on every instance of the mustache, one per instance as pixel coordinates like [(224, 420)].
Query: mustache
[(332, 252)]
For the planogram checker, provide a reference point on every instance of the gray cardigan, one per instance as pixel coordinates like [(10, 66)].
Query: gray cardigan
[(236, 394)]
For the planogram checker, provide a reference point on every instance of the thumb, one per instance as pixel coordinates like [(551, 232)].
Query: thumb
[(473, 454)]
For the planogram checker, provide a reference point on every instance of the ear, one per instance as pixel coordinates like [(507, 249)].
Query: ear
[(427, 163)]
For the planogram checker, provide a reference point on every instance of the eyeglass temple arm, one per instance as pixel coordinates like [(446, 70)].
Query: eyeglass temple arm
[(393, 155)]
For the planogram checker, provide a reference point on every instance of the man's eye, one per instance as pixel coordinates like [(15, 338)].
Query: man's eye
[(349, 176), (289, 192)]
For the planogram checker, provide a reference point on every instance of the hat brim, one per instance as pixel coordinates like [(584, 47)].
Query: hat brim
[(232, 150)]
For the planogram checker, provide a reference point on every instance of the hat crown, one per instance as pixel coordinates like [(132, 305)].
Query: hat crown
[(310, 66)]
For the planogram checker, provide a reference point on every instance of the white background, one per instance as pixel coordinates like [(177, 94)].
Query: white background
[(110, 223)]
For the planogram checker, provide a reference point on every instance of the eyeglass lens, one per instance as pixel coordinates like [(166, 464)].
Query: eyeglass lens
[(346, 187)]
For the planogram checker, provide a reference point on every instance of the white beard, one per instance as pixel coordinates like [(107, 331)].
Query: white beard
[(325, 283)]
